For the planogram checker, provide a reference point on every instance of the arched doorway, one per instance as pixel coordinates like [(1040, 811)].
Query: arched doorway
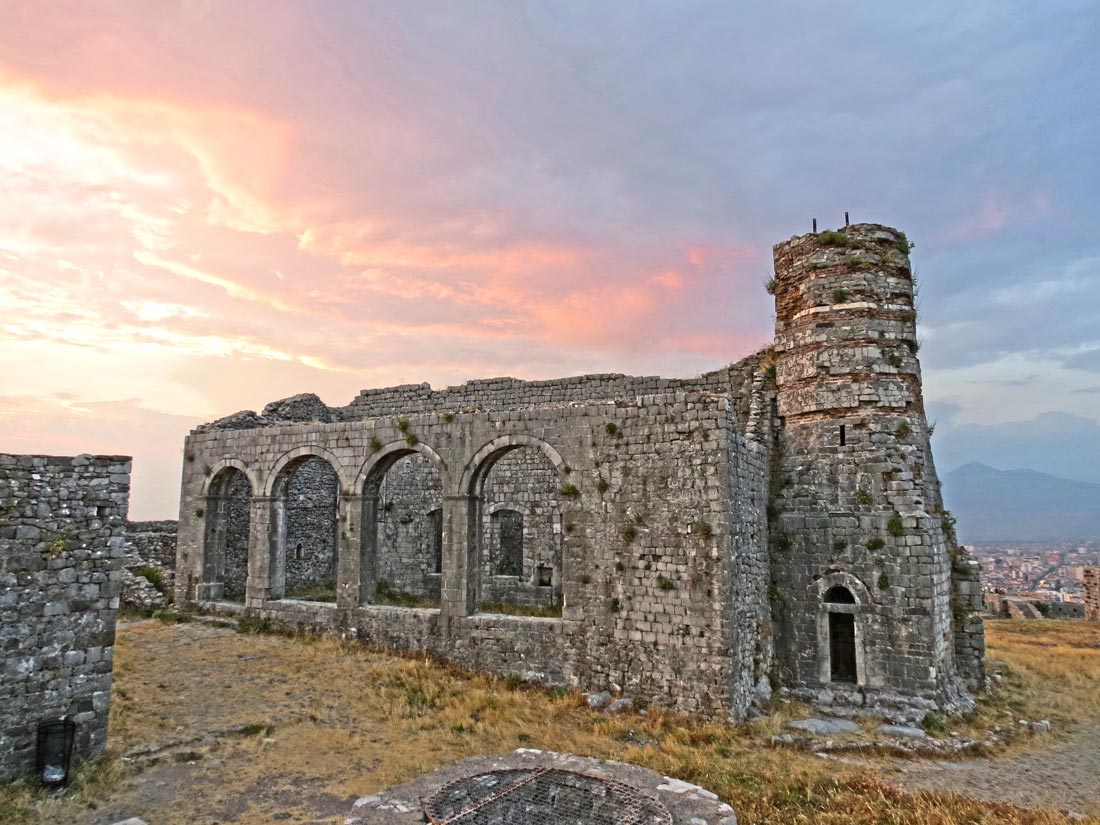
[(305, 500), (225, 544), (516, 526), (842, 635)]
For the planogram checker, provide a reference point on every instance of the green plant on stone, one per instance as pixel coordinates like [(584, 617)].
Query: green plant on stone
[(375, 445), (448, 417), (840, 295), (602, 486), (403, 424), (665, 584), (411, 439), (840, 544), (863, 497), (153, 575), (703, 529), (904, 245), (783, 542), (883, 581), (903, 430), (570, 527), (894, 526), (770, 285), (569, 490), (934, 722), (875, 543), (586, 579), (895, 360), (834, 238), (615, 606), (199, 512), (630, 532)]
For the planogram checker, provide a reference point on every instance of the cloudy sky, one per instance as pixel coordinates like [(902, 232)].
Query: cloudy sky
[(207, 206)]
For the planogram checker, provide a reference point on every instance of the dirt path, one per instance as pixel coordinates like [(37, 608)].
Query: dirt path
[(1065, 777)]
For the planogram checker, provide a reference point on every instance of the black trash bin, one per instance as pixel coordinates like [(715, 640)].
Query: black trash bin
[(55, 751)]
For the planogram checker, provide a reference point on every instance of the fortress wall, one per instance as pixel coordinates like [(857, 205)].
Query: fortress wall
[(1092, 594), (62, 527), (650, 535)]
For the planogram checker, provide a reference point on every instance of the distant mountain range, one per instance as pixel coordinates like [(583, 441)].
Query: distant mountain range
[(994, 505)]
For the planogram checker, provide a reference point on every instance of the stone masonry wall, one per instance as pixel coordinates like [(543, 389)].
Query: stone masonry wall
[(1092, 594), (523, 480), (154, 542), (650, 538), (410, 492), (62, 528), (856, 503), (311, 526)]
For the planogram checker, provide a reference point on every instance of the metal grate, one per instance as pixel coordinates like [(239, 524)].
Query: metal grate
[(542, 796)]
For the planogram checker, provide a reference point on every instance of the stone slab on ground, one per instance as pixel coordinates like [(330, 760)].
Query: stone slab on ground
[(821, 727), (686, 804)]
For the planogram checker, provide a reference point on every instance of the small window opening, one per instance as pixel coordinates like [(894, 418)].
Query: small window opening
[(544, 576), (843, 436), (298, 551)]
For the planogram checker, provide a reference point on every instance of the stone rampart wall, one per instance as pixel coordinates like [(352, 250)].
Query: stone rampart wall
[(62, 528), (1092, 594), (650, 532)]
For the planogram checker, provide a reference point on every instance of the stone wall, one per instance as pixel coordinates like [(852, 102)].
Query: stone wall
[(311, 527), (154, 542), (62, 528), (411, 497), (650, 536), (1092, 594), (148, 565), (856, 500)]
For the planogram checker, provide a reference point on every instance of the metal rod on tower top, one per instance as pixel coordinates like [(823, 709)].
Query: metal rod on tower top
[(815, 226), (845, 218)]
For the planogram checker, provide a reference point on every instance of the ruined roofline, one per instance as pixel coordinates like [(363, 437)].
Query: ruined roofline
[(487, 394)]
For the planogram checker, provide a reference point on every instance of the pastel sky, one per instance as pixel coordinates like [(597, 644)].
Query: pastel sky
[(207, 206)]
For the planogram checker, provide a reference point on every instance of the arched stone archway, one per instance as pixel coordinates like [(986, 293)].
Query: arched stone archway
[(226, 515), (515, 488), (401, 562), (304, 490)]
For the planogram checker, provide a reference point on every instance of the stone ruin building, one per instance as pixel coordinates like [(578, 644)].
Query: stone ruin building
[(62, 527), (698, 541), (1092, 594)]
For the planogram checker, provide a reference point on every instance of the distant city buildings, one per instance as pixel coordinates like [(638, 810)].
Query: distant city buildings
[(1049, 574)]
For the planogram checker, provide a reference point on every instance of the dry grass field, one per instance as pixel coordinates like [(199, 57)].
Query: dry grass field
[(254, 728)]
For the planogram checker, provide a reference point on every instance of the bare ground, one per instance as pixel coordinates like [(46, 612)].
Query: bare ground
[(212, 726), (1064, 776)]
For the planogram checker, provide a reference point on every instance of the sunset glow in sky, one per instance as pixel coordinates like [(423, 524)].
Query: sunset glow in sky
[(208, 206)]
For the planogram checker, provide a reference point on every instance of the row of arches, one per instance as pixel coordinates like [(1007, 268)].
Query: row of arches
[(515, 528)]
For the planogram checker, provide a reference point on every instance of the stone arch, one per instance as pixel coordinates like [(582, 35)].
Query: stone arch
[(381, 460), (401, 550), (513, 484), (226, 519), (278, 475), (842, 616), (473, 474), (304, 488), (217, 468)]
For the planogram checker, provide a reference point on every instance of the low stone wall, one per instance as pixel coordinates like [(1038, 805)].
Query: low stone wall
[(1092, 594), (62, 527)]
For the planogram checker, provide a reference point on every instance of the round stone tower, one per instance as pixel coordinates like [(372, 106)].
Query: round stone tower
[(861, 571)]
